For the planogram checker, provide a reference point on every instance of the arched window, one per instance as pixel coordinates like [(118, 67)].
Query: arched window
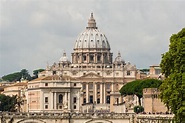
[(60, 98)]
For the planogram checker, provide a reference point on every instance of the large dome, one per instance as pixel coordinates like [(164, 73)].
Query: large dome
[(92, 38)]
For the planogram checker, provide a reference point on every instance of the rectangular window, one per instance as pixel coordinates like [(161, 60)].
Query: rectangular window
[(98, 86), (91, 58), (108, 100), (157, 71), (84, 58), (91, 99), (60, 107), (84, 86), (74, 100), (46, 99), (46, 106), (74, 107), (98, 100), (128, 73), (90, 85), (108, 73), (84, 100), (99, 58), (46, 84), (54, 72)]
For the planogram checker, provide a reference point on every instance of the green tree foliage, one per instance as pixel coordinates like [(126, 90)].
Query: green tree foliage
[(136, 87), (144, 70), (17, 76), (7, 103), (138, 109), (12, 77), (173, 67), (36, 72), (25, 74)]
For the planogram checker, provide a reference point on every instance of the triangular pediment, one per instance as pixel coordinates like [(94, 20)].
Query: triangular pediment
[(91, 75)]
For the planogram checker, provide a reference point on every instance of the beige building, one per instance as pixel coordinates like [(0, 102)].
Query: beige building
[(155, 72), (151, 101), (54, 94), (19, 89), (96, 76)]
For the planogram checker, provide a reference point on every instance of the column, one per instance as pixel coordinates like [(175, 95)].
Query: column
[(65, 96), (102, 58), (51, 101), (55, 100), (108, 57), (80, 57), (76, 58), (87, 57), (69, 101), (41, 101), (112, 87), (94, 58), (95, 92), (101, 93), (104, 93), (87, 93)]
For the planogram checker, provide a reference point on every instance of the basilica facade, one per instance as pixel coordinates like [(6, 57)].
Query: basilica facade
[(89, 82)]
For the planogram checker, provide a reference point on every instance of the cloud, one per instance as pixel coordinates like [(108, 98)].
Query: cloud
[(33, 33)]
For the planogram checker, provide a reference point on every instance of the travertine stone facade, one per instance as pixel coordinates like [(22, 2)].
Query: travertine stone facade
[(93, 69), (151, 101), (155, 72), (54, 94)]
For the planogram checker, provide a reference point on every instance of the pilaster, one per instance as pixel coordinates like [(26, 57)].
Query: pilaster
[(87, 92)]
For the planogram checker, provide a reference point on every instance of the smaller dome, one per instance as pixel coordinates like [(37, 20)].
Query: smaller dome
[(118, 59), (64, 58)]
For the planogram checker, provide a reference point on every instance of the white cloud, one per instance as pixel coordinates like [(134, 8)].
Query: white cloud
[(34, 32)]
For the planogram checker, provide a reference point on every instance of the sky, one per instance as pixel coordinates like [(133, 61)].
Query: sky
[(34, 33)]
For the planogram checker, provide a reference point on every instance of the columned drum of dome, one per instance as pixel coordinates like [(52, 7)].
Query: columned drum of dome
[(92, 46)]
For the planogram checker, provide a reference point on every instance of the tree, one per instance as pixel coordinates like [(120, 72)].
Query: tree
[(7, 103), (25, 74), (17, 76), (36, 72), (138, 109), (12, 77), (136, 87), (173, 67)]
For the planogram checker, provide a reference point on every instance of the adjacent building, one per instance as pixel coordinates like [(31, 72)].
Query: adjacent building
[(151, 101)]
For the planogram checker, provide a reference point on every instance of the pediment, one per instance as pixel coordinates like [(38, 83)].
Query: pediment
[(91, 75)]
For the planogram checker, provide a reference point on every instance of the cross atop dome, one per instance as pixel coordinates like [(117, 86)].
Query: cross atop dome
[(91, 23)]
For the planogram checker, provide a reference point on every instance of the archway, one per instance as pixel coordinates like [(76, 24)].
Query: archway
[(30, 121)]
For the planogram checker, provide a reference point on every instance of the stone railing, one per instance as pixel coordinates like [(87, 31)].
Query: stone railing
[(131, 117), (154, 118), (66, 115), (102, 115), (34, 115)]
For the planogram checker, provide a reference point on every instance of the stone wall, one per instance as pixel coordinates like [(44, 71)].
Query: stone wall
[(7, 117)]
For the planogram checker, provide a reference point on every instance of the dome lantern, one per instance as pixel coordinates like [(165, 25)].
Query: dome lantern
[(91, 22)]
